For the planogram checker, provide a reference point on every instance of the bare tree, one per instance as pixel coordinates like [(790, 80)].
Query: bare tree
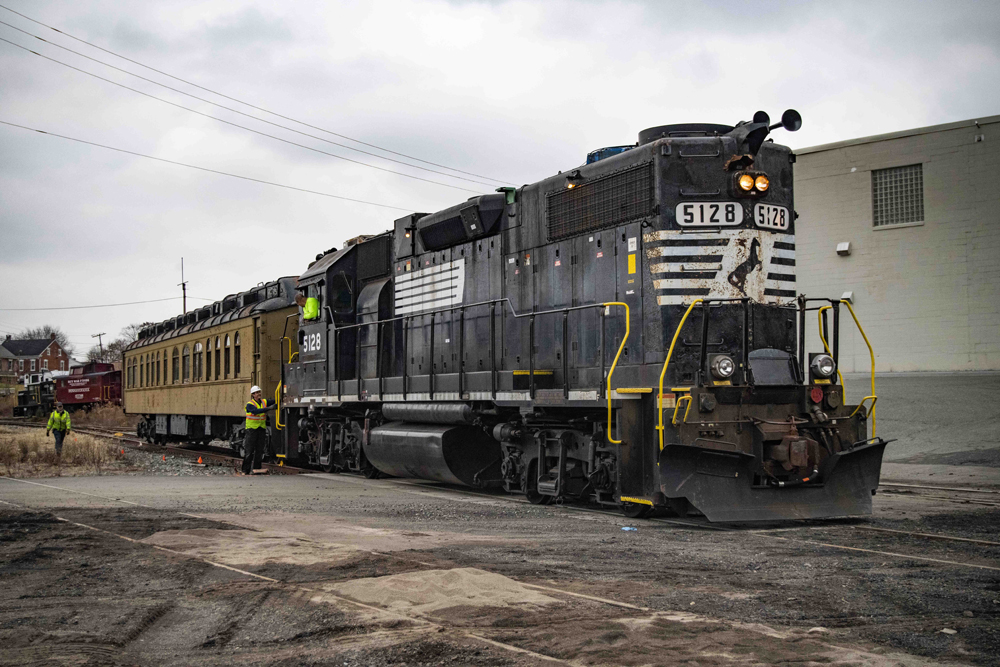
[(37, 333), (113, 351)]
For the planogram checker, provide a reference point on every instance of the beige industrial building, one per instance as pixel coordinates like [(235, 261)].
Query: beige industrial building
[(909, 224)]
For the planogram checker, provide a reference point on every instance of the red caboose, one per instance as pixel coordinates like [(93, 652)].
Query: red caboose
[(89, 385)]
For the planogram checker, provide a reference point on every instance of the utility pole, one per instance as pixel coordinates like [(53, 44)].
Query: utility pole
[(184, 287), (100, 343)]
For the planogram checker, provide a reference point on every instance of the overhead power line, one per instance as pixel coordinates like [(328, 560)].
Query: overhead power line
[(211, 171), (236, 111), (227, 122), (103, 305), (252, 106)]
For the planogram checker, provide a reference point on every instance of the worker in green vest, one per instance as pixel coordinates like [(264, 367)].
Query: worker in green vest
[(255, 430), (59, 425), (309, 306)]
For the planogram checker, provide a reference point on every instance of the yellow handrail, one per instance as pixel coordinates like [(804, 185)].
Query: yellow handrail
[(819, 316), (874, 401), (277, 413), (677, 405), (291, 356), (870, 352), (615, 362), (663, 373)]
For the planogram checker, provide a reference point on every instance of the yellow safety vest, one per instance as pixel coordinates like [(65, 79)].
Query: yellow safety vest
[(256, 421), (59, 422), (311, 310)]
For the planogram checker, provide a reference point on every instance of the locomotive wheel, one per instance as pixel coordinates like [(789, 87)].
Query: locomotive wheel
[(530, 486), (330, 467), (635, 510)]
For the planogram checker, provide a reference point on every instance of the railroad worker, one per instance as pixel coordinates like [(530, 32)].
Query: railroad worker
[(255, 430), (310, 306), (59, 425)]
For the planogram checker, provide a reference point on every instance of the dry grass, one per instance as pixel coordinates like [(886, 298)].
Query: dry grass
[(106, 416), (29, 453)]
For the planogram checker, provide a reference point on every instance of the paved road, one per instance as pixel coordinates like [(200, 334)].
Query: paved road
[(942, 418), (334, 570)]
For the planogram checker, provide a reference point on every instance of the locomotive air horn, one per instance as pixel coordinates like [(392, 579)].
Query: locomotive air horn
[(790, 120)]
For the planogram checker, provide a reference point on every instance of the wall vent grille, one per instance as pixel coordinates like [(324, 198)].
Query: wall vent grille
[(898, 195)]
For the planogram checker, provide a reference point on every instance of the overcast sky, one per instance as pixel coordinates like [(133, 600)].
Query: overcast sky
[(513, 91)]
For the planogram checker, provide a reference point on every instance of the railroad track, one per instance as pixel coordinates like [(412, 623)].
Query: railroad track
[(690, 523), (134, 442)]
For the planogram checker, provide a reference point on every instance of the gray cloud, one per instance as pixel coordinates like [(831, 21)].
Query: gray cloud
[(516, 90)]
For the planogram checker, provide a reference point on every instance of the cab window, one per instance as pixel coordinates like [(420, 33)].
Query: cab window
[(341, 295)]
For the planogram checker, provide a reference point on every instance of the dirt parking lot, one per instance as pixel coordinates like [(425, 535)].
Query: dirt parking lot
[(340, 570)]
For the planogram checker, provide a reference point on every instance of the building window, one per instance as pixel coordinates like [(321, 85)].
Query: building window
[(32, 365), (218, 358), (186, 363), (149, 380), (142, 377), (156, 364), (197, 361), (227, 355), (20, 364), (45, 364), (898, 195), (176, 376), (236, 356)]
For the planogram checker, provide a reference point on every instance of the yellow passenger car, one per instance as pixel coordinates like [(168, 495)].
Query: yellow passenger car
[(189, 377)]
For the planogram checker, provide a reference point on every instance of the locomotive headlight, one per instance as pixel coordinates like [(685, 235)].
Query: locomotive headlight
[(723, 366), (746, 182), (762, 183), (823, 366)]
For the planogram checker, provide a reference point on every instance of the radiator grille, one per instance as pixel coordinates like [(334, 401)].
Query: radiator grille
[(603, 202)]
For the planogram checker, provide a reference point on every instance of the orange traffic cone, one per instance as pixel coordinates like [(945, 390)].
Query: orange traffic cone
[(199, 459), (123, 452), (164, 457)]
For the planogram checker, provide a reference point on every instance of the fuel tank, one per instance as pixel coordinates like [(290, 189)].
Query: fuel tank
[(429, 413), (463, 455)]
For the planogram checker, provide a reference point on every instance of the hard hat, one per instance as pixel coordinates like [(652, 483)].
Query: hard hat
[(254, 389)]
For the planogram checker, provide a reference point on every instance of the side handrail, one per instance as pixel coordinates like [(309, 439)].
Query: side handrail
[(277, 413), (677, 406), (874, 400), (871, 352), (628, 317), (291, 355), (663, 373), (819, 317)]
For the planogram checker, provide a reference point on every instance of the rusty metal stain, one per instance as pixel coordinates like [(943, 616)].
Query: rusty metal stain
[(738, 162)]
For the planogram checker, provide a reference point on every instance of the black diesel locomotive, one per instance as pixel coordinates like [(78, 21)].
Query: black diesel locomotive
[(627, 332)]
